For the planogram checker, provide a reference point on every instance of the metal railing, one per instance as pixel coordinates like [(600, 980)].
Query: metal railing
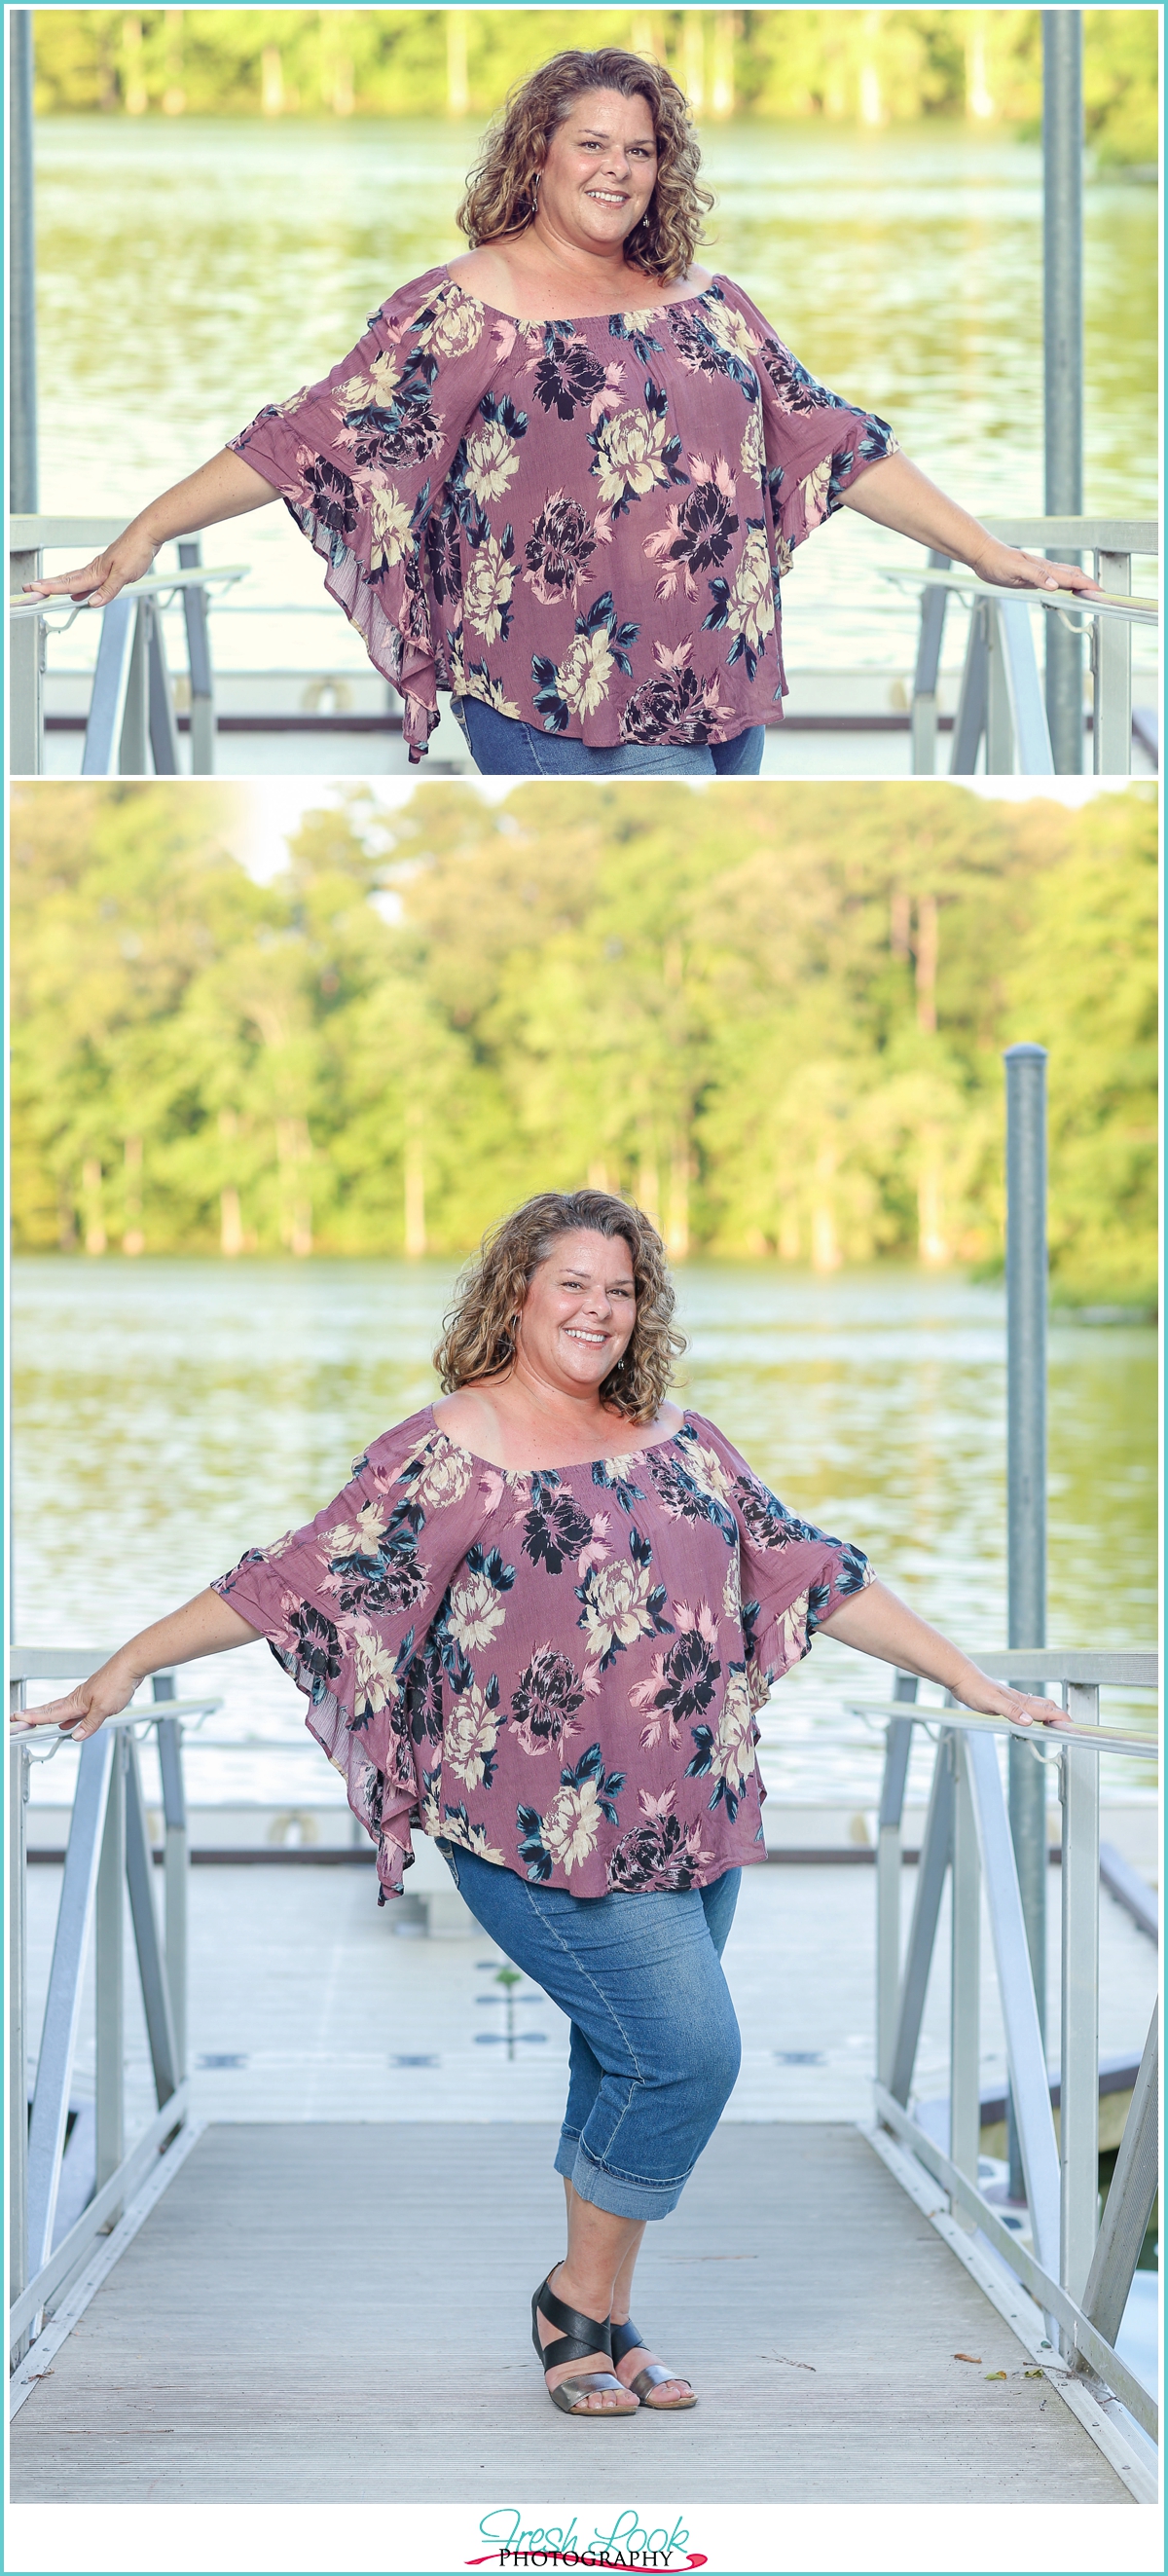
[(1002, 700), (108, 1853), (131, 718), (1079, 2274)]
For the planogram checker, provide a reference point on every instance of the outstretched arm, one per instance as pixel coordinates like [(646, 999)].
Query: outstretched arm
[(205, 1626), (224, 488), (878, 1624), (898, 495)]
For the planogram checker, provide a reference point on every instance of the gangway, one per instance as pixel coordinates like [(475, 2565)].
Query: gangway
[(843, 2270)]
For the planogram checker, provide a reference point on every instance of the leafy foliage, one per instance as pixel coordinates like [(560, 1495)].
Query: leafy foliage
[(877, 65), (773, 1015)]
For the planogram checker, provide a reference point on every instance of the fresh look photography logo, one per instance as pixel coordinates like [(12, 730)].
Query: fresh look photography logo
[(630, 2543)]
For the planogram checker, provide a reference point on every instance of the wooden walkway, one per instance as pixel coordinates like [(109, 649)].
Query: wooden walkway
[(308, 2314)]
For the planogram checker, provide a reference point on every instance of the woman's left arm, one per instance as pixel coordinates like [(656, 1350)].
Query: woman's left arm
[(898, 495), (877, 1623)]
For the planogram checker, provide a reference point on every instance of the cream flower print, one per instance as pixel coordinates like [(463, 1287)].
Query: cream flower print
[(630, 455), (389, 525), (621, 1601), (456, 329), (471, 1733), (359, 392), (571, 1826), (492, 460), (707, 1470), (732, 331), (373, 1671), (783, 557), (444, 1479), (477, 1606), (814, 489), (480, 684), (487, 592), (473, 1838), (752, 599), (586, 672), (359, 1537), (752, 452)]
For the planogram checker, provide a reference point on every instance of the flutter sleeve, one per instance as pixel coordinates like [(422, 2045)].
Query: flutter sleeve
[(816, 443), (345, 1605), (361, 459), (792, 1576)]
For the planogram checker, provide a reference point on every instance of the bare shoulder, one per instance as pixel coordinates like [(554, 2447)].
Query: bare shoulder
[(483, 272), (670, 1417)]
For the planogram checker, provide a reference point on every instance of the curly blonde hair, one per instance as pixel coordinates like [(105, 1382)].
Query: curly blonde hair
[(501, 191), (478, 1333)]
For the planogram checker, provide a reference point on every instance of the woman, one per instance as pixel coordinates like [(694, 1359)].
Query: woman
[(577, 526), (537, 1625)]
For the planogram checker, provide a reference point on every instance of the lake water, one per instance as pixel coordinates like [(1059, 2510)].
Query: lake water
[(169, 1414), (191, 271)]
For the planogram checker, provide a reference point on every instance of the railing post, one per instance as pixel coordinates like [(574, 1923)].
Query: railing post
[(965, 1981), (176, 1866), (1000, 746), (888, 1864), (969, 724), (1079, 2085), (1062, 166), (160, 697), (924, 701), (1111, 662), (109, 1916), (190, 554), (1026, 1484), (133, 761), (18, 1766), (1130, 2199), (936, 1853), (46, 2137)]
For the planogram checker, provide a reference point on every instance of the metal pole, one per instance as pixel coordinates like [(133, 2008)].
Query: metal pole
[(1062, 169), (1026, 1483), (22, 452)]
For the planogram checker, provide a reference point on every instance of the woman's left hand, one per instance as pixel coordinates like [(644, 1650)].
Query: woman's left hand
[(997, 1699), (1011, 568)]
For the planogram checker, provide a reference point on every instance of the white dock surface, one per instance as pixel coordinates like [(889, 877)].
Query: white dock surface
[(335, 2311)]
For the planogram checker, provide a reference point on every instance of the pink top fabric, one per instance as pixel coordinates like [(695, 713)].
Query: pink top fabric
[(558, 1670), (582, 523)]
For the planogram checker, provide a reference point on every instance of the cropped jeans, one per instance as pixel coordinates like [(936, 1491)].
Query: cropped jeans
[(506, 748), (654, 2048)]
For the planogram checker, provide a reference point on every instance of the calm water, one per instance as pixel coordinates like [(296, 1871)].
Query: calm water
[(191, 271), (170, 1414)]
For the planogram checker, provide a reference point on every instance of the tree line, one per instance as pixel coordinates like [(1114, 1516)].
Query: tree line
[(870, 66), (773, 1016)]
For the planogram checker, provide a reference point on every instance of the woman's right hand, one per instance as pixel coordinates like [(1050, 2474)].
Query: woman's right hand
[(130, 556), (85, 1708)]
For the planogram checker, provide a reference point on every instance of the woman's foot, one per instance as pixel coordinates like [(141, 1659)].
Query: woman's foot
[(668, 2392), (604, 2401)]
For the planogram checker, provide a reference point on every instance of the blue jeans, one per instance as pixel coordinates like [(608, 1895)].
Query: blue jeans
[(654, 2048), (503, 748)]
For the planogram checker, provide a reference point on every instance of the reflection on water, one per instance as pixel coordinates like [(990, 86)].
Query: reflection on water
[(219, 265), (170, 1414)]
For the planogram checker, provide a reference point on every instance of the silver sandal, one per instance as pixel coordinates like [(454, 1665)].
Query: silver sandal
[(579, 2335), (624, 2339)]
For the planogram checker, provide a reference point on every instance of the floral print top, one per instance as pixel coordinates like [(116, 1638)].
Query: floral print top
[(557, 1669), (582, 523)]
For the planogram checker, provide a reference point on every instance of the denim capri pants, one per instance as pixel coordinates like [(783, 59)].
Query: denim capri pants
[(504, 747), (654, 2049)]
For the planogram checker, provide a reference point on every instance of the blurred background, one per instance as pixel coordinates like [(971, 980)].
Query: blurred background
[(225, 195)]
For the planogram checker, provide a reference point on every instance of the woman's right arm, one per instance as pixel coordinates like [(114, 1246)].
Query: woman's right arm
[(205, 1626), (224, 488)]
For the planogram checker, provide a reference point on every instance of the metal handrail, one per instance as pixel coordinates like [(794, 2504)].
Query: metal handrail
[(108, 1851), (1001, 700), (1079, 2277), (131, 714)]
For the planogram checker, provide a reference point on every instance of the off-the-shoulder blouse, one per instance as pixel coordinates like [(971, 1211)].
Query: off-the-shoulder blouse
[(582, 523), (559, 1669)]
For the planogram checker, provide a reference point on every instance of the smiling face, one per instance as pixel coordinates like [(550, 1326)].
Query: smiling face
[(600, 170), (578, 1315)]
